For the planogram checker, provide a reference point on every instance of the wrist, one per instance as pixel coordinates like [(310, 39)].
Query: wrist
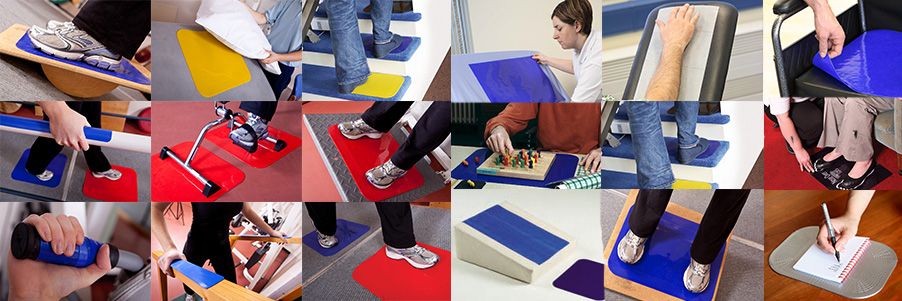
[(15, 295)]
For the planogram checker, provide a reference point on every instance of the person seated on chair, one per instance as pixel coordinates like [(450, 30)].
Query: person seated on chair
[(67, 123), (208, 238), (285, 38), (845, 226), (99, 35), (801, 122), (259, 113), (566, 128), (430, 131), (714, 229), (397, 231), (572, 20), (849, 129)]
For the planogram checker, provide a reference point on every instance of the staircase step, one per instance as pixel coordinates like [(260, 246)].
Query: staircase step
[(710, 158), (361, 4), (403, 53), (321, 80), (663, 106), (404, 28), (624, 180)]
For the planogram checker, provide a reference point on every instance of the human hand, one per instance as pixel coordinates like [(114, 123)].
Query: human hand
[(166, 260), (678, 30), (273, 57), (592, 161), (499, 141), (844, 228), (68, 129), (804, 160), (281, 235), (540, 58), (35, 280), (829, 33)]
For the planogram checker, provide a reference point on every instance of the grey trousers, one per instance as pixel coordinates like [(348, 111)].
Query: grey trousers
[(849, 125)]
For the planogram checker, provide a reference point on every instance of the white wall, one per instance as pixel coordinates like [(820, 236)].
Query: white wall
[(501, 25), (187, 9)]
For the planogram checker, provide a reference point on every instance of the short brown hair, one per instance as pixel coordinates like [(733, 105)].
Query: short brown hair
[(572, 11)]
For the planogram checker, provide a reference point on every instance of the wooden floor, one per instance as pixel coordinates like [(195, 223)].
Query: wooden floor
[(788, 210)]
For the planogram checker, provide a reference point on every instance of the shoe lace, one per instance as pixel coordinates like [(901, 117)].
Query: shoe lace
[(389, 168), (699, 269), (633, 240)]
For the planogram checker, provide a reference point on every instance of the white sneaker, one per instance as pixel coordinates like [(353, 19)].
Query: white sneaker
[(111, 174), (45, 176)]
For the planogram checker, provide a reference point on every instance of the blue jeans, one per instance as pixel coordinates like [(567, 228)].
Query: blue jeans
[(347, 46), (649, 148)]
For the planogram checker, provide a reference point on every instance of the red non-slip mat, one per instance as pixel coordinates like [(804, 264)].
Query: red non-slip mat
[(363, 154), (391, 279), (264, 156), (172, 183), (123, 190)]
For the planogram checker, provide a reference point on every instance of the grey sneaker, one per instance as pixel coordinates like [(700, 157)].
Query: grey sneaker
[(45, 176), (54, 25), (71, 43), (383, 175), (111, 174), (326, 241), (416, 256), (243, 137), (696, 276), (631, 248), (355, 129)]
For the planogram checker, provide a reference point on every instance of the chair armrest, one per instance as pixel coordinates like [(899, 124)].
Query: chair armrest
[(782, 7)]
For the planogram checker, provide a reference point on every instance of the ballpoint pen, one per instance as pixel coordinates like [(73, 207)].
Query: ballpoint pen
[(830, 228)]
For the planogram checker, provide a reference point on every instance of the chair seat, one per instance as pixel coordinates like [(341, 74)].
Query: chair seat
[(817, 83), (884, 131)]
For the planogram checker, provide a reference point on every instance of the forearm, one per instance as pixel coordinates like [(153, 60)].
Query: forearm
[(260, 18), (296, 56), (158, 226), (665, 83), (788, 129), (561, 64), (819, 6), (858, 202), (54, 108), (255, 219)]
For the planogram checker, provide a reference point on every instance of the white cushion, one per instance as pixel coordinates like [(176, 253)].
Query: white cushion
[(231, 23)]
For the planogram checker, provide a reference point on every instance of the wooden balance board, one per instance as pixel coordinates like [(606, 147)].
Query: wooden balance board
[(538, 172), (70, 79)]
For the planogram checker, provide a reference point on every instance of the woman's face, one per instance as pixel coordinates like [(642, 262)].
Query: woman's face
[(565, 34)]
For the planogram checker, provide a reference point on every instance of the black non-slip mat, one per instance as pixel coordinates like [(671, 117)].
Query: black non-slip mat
[(830, 177)]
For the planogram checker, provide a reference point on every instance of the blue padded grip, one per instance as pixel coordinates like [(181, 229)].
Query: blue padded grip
[(199, 275), (518, 234), (43, 126)]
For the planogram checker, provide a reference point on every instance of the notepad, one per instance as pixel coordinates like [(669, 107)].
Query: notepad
[(823, 265)]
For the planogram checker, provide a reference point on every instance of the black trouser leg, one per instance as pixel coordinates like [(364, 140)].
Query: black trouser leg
[(808, 119), (647, 211), (720, 218), (43, 150), (199, 247), (323, 216), (119, 25), (264, 109), (383, 115), (397, 224), (431, 130), (279, 82)]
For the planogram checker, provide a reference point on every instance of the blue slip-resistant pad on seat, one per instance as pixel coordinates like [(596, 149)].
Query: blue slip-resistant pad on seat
[(666, 258), (584, 278), (466, 87), (663, 106), (322, 80), (517, 234), (57, 165), (199, 275), (346, 232), (564, 167), (43, 126), (361, 14), (126, 72), (870, 64), (403, 53), (710, 158), (515, 80)]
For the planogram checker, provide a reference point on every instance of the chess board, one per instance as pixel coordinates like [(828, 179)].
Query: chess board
[(538, 171)]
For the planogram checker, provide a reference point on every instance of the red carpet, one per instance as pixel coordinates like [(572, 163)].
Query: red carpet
[(781, 171)]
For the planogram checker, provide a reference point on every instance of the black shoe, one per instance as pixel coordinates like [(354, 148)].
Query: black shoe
[(848, 183), (789, 148), (820, 164)]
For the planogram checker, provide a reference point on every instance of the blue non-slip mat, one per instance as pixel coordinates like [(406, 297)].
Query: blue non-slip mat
[(403, 53), (321, 80), (564, 167), (516, 233), (515, 80), (663, 106), (199, 275), (870, 64), (126, 72), (666, 258), (584, 278), (710, 158), (57, 165), (362, 4), (347, 232), (298, 86), (622, 180)]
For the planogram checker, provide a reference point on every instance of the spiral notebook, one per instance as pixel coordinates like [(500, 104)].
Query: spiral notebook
[(823, 265)]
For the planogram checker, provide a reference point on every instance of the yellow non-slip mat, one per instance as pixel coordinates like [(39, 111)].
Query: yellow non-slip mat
[(214, 67), (686, 184), (380, 85)]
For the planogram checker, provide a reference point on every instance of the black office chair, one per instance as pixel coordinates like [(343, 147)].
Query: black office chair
[(796, 74)]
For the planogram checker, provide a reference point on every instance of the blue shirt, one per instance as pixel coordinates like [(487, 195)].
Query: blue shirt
[(285, 35)]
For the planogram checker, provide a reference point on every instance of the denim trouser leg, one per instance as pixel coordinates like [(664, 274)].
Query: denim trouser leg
[(381, 14), (649, 148), (350, 59), (686, 117)]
